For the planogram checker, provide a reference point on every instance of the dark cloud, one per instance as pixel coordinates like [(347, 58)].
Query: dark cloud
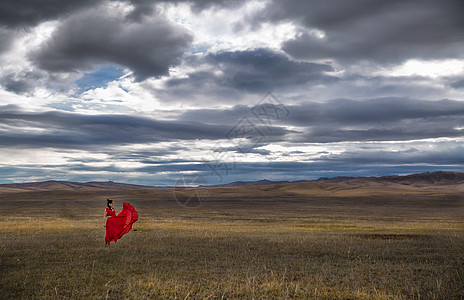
[(22, 82), (146, 7), (70, 130), (457, 84), (216, 116), (369, 86), (153, 155), (256, 71), (383, 119), (343, 111), (6, 38), (25, 81), (237, 149), (15, 13), (261, 70), (389, 110), (401, 132), (206, 4), (16, 85), (444, 155), (375, 163), (381, 31), (148, 47), (92, 34), (348, 163)]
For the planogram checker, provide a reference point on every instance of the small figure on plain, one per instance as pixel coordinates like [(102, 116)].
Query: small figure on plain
[(120, 224)]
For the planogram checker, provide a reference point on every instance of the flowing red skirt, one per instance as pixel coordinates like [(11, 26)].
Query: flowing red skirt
[(117, 226)]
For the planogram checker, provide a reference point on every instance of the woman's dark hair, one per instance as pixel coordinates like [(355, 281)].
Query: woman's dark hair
[(108, 201)]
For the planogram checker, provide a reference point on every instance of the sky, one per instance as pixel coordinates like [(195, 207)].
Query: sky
[(208, 92)]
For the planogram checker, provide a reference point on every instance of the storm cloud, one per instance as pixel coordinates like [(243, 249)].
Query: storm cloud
[(30, 12), (91, 37), (71, 130), (338, 120), (382, 31), (145, 91), (256, 71)]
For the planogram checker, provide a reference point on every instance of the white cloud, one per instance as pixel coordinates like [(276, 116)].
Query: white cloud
[(218, 29), (431, 68)]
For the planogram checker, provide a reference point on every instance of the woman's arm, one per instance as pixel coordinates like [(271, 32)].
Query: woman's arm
[(104, 218)]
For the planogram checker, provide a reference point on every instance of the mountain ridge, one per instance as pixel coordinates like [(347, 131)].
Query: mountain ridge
[(416, 179), (51, 185), (437, 177)]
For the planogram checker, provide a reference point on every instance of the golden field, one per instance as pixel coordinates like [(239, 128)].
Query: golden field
[(286, 241)]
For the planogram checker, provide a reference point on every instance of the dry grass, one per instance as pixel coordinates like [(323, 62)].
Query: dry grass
[(237, 245), (178, 259)]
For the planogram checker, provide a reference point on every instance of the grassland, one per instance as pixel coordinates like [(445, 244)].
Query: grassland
[(236, 245)]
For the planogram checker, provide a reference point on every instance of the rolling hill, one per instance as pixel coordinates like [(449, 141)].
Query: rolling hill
[(432, 182), (53, 185)]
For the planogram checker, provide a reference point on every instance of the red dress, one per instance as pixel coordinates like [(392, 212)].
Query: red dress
[(119, 225)]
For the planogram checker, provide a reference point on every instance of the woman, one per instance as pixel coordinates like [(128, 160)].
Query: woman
[(118, 225)]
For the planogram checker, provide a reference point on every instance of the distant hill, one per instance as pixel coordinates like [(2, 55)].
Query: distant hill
[(438, 177), (337, 185), (250, 183), (53, 185), (431, 183)]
